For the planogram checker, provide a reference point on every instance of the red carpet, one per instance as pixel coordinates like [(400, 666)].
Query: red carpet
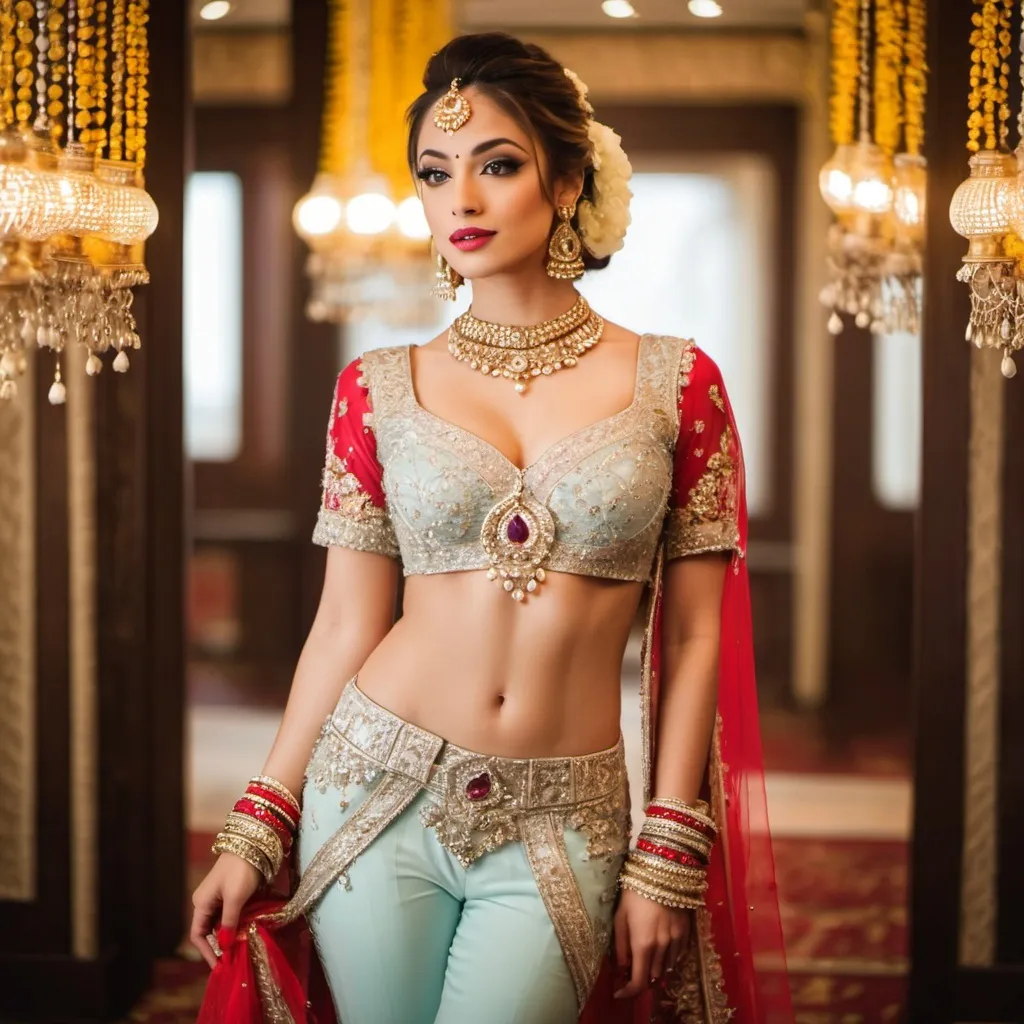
[(844, 916)]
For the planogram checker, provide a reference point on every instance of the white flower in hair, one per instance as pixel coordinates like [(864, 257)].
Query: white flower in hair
[(581, 91), (603, 221)]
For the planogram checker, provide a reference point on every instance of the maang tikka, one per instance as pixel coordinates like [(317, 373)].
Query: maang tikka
[(452, 110)]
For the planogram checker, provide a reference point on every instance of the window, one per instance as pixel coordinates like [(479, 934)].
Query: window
[(213, 316), (896, 415)]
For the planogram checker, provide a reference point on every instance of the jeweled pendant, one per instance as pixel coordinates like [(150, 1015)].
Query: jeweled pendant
[(517, 535)]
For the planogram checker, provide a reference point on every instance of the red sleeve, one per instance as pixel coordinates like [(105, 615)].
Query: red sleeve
[(707, 473), (353, 512)]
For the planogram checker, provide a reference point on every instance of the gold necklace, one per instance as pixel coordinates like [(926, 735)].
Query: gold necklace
[(521, 353)]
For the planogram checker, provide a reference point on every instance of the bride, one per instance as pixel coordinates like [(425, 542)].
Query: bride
[(453, 782)]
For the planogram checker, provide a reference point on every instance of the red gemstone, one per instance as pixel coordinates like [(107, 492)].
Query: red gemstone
[(518, 531), (478, 788)]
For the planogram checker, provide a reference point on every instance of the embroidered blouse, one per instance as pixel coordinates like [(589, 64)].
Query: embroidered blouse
[(403, 482)]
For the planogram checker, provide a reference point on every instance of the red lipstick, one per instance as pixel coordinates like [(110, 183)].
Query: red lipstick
[(468, 239)]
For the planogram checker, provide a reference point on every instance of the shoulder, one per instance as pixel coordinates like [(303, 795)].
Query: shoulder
[(357, 373), (695, 365)]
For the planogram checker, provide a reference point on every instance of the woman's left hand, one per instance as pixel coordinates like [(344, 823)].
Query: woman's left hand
[(649, 938)]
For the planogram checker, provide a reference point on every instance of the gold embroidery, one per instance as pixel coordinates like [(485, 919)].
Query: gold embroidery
[(348, 516), (698, 426), (709, 520), (342, 407), (545, 850), (694, 988), (698, 453), (686, 367), (532, 800), (390, 797), (588, 792), (441, 480), (716, 397), (275, 1009)]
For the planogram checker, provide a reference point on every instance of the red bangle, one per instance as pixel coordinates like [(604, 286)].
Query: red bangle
[(287, 806), (669, 854), (657, 811), (281, 830)]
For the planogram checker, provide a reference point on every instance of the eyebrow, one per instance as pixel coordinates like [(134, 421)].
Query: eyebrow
[(482, 147)]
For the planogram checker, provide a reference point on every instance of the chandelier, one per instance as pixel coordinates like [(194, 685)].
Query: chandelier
[(73, 217), (988, 208), (362, 218), (876, 193)]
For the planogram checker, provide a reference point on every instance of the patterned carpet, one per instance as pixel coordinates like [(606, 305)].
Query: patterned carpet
[(844, 916)]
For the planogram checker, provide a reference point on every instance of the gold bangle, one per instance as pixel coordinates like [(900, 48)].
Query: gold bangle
[(681, 880), (680, 833), (242, 848), (661, 896), (699, 810), (669, 867), (261, 836), (669, 884), (264, 834)]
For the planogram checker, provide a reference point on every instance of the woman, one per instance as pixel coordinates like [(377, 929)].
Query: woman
[(463, 842)]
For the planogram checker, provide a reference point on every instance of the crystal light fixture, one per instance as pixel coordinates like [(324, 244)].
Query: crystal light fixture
[(73, 221), (986, 209), (874, 247), (362, 219)]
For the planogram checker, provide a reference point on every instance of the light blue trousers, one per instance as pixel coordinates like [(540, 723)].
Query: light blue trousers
[(419, 939)]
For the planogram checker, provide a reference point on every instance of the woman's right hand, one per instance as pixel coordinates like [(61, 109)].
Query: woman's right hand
[(221, 895)]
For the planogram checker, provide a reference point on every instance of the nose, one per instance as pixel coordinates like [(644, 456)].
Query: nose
[(466, 197)]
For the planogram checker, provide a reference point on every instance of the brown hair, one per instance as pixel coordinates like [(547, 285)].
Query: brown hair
[(530, 86)]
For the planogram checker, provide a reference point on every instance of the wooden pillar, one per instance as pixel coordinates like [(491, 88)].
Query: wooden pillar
[(93, 890), (967, 945)]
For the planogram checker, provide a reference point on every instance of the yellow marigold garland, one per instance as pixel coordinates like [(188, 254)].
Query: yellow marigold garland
[(136, 100), (915, 77), (85, 71), (118, 45), (98, 135), (58, 68), (845, 69), (990, 53), (337, 87), (7, 24), (889, 16), (23, 55)]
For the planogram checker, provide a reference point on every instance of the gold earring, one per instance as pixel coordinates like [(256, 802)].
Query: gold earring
[(448, 279), (564, 249)]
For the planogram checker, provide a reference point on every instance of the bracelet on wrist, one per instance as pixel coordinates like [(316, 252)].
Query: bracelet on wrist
[(261, 827)]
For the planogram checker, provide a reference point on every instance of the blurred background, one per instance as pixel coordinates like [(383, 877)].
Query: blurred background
[(274, 265)]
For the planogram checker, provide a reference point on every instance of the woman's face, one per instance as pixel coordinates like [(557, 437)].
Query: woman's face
[(486, 176)]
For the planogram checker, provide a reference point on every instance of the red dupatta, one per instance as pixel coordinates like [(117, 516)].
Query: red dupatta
[(734, 968)]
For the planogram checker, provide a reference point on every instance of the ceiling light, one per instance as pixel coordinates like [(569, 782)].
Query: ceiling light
[(705, 8), (618, 9), (215, 10)]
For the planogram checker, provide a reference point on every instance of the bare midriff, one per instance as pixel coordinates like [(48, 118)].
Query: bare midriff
[(538, 678)]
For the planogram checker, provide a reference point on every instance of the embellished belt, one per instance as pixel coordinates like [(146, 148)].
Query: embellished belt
[(477, 803)]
